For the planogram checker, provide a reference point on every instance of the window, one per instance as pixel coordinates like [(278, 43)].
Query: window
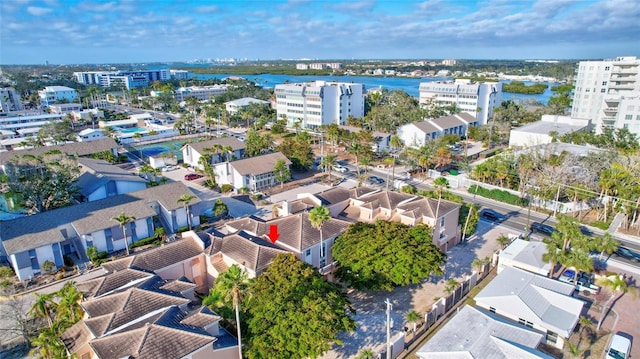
[(604, 83), (552, 337), (603, 90), (637, 117), (34, 260), (307, 252), (628, 117), (492, 309), (441, 222), (607, 68), (323, 251)]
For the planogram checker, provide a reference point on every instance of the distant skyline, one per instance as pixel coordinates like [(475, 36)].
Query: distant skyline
[(125, 31)]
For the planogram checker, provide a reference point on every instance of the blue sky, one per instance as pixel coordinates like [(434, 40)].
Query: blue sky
[(118, 31)]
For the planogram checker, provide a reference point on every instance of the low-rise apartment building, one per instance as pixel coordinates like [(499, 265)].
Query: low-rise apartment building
[(51, 95), (417, 134), (254, 173)]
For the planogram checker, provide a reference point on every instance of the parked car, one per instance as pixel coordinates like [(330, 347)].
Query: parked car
[(627, 254), (619, 347), (375, 180), (169, 168), (192, 176), (340, 169), (541, 228), (491, 215), (584, 282)]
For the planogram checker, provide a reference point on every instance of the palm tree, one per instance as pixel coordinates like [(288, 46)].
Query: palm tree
[(328, 162), (43, 307), (441, 183), (318, 216), (228, 151), (579, 261), (123, 219), (355, 148), (412, 317), (185, 199), (69, 306), (607, 244), (553, 254), (231, 284), (366, 354), (396, 142), (616, 284)]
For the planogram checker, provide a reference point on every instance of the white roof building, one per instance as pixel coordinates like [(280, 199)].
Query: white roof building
[(235, 105), (526, 255), (539, 132), (534, 301), (473, 333)]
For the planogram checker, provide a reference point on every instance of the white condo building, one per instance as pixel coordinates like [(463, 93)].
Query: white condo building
[(467, 95), (56, 94), (318, 103), (10, 100), (127, 79), (608, 93)]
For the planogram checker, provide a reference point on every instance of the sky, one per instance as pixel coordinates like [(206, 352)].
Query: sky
[(126, 31)]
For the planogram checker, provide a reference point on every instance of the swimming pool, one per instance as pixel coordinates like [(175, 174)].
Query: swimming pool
[(9, 209), (131, 130), (157, 149)]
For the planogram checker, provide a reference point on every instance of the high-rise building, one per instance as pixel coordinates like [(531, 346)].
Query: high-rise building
[(318, 103), (473, 97), (10, 100), (127, 79), (608, 93)]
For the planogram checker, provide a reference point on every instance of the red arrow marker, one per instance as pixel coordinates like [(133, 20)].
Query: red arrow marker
[(273, 233)]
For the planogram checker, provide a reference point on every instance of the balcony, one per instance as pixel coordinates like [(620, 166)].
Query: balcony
[(622, 86), (619, 78), (624, 70), (328, 268), (610, 109)]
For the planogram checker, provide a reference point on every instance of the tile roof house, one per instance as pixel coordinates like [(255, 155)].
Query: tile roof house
[(254, 173), (534, 301), (297, 235), (100, 179), (418, 133), (368, 205), (147, 318), (192, 152), (473, 333), (47, 236)]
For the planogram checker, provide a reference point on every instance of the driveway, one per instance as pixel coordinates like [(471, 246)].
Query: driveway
[(370, 307)]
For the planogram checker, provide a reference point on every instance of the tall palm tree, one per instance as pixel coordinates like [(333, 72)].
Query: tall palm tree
[(69, 306), (44, 307), (231, 284), (579, 261), (123, 219), (553, 254), (440, 183), (617, 285), (318, 216), (607, 244), (185, 199), (328, 162), (356, 149)]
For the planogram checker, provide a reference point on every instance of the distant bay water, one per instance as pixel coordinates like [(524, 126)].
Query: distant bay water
[(410, 85)]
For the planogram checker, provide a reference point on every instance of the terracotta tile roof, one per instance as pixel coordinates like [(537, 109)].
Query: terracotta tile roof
[(296, 231), (334, 195), (152, 341), (76, 337), (160, 257), (426, 207), (106, 284), (219, 264), (114, 311), (258, 164), (249, 251)]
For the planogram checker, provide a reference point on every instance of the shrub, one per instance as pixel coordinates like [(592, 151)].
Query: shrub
[(144, 242), (182, 229), (5, 284), (499, 195), (226, 188), (408, 189), (220, 209), (59, 276), (6, 272), (48, 266), (243, 190)]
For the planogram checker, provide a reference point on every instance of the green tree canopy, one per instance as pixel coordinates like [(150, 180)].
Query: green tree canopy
[(386, 254), (281, 172), (294, 312)]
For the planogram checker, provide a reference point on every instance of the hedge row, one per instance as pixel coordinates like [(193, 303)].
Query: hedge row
[(499, 195)]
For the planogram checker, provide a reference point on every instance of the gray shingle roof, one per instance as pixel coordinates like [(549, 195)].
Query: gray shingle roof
[(473, 333), (98, 172), (259, 164), (334, 195), (74, 148), (106, 284), (425, 126), (249, 251), (44, 228), (232, 142)]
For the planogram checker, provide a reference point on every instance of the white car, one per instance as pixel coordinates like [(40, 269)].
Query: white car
[(169, 168), (341, 169), (618, 348)]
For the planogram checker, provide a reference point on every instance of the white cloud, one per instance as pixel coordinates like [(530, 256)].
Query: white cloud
[(207, 9), (38, 11)]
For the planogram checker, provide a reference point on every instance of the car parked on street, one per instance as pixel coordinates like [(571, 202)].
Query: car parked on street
[(340, 169), (627, 253), (375, 180), (493, 216), (541, 228), (192, 176)]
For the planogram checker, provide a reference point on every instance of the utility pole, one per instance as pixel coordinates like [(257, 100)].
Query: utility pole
[(389, 306)]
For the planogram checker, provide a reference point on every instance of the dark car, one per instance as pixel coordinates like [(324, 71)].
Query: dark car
[(375, 180), (541, 228), (192, 176), (492, 215), (628, 254)]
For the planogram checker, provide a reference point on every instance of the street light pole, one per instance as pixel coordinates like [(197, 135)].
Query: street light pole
[(389, 306)]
